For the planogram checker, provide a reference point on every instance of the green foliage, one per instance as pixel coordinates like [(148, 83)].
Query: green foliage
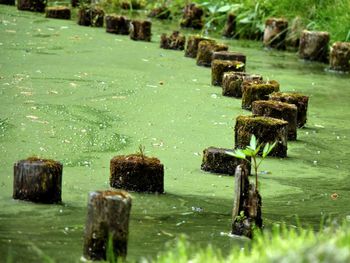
[(252, 151)]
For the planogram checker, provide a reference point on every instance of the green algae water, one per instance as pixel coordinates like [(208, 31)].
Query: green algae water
[(82, 96)]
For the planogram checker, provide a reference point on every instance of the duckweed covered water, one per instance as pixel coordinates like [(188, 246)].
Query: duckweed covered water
[(81, 96)]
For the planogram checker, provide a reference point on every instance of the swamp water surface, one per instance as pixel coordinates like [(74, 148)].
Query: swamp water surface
[(81, 96)]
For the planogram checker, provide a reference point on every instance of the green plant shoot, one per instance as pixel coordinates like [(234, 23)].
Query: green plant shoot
[(252, 151)]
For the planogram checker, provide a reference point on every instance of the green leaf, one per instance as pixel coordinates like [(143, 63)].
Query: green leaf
[(252, 143), (237, 153), (224, 8), (266, 148), (257, 149), (248, 151), (269, 149)]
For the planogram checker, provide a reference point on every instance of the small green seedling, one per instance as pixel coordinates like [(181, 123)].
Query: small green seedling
[(252, 151)]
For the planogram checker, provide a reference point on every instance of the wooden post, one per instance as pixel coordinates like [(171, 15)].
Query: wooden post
[(107, 221)]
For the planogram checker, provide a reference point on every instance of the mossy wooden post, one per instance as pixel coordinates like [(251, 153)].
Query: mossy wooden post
[(230, 26), (216, 160), (299, 100), (278, 110), (265, 129), (117, 25), (192, 45), (229, 55), (90, 16), (246, 212), (232, 83), (192, 16), (175, 41), (59, 12), (38, 180), (7, 2), (275, 33), (107, 221), (257, 90), (141, 30), (160, 12), (314, 45), (205, 52), (219, 67), (32, 5), (138, 173), (339, 58)]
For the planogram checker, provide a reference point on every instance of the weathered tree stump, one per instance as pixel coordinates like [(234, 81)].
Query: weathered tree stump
[(265, 129), (230, 26), (257, 90), (107, 221), (117, 25), (175, 41), (314, 45), (246, 212), (141, 30), (38, 180), (205, 52), (32, 5), (192, 16), (7, 2), (229, 55), (219, 67), (216, 160), (59, 12), (232, 83), (192, 45), (278, 110), (339, 58), (137, 173), (90, 16), (160, 12), (299, 100), (294, 33), (275, 33)]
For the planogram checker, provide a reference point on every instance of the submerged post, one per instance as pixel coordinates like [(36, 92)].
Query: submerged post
[(107, 221)]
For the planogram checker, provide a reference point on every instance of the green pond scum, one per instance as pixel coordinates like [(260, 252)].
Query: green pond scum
[(81, 96)]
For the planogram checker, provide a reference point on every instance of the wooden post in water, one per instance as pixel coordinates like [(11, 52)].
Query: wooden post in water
[(246, 213), (107, 221)]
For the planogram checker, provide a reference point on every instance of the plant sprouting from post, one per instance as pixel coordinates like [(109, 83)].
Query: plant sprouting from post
[(252, 151)]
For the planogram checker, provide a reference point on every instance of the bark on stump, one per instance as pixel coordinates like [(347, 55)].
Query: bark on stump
[(205, 52), (219, 67), (232, 83), (117, 25), (160, 12), (299, 100), (90, 16), (192, 17), (279, 110), (216, 160), (294, 32), (257, 90), (314, 45), (229, 55), (175, 41), (32, 5), (38, 180), (275, 33), (265, 129), (230, 26), (59, 12), (192, 45), (246, 212), (137, 173), (141, 30), (7, 2), (107, 221), (339, 58)]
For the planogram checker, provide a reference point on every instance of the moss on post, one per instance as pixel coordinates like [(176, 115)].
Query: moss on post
[(229, 55), (38, 180), (192, 45), (59, 12), (257, 90), (192, 16), (138, 173), (339, 58), (90, 16), (278, 110), (232, 83), (219, 67), (265, 129), (117, 24), (275, 33), (205, 52), (141, 30), (175, 41), (314, 45)]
